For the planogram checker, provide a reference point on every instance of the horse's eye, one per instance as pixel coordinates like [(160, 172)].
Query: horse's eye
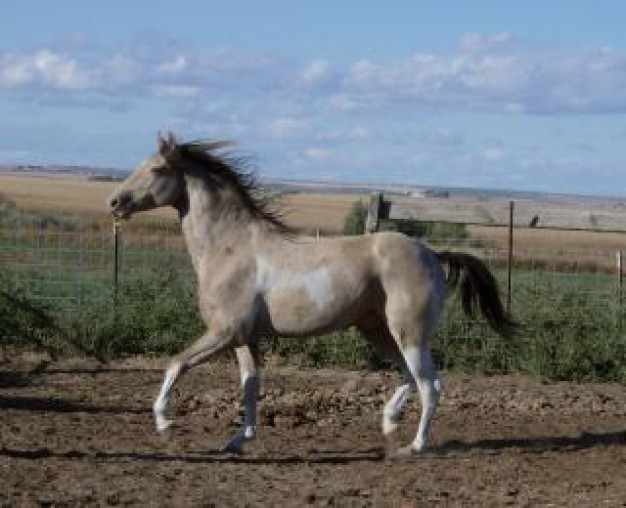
[(160, 170)]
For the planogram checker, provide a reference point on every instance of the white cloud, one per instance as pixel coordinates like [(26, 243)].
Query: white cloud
[(44, 68), (487, 74), (341, 135), (177, 91), (175, 66), (545, 83), (318, 154), (121, 70), (475, 41), (359, 132), (316, 72), (344, 102), (492, 154), (282, 128), (363, 72)]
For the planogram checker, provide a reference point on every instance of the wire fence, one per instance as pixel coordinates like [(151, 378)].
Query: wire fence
[(66, 262)]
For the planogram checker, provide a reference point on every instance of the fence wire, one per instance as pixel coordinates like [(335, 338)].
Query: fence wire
[(71, 260)]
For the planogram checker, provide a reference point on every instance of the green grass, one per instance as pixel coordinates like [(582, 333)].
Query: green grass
[(569, 331), (58, 295)]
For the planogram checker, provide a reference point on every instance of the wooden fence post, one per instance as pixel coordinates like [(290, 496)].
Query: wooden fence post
[(373, 212)]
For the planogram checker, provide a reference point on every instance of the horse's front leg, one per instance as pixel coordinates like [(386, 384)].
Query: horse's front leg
[(247, 357), (197, 353)]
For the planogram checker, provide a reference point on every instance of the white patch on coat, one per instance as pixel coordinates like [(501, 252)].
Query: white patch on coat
[(316, 283)]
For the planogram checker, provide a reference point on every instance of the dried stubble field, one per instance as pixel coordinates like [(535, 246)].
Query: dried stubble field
[(77, 194), (308, 211)]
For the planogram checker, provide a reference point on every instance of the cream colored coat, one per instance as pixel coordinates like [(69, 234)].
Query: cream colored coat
[(256, 278)]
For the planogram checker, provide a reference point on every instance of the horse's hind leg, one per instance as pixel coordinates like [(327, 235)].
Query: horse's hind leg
[(380, 336), (420, 364), (418, 369), (247, 357), (412, 337)]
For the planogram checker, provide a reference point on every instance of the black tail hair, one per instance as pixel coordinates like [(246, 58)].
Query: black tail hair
[(478, 287)]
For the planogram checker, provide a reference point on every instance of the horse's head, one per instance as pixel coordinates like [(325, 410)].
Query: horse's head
[(158, 181)]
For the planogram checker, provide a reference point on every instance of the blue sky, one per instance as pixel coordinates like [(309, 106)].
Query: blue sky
[(500, 94)]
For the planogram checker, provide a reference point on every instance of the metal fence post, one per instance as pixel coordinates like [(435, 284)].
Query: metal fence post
[(510, 259), (620, 286), (116, 257)]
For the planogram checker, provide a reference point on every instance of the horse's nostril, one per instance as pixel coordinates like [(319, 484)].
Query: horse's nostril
[(113, 203)]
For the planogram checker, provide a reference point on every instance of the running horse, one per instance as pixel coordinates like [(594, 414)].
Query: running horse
[(257, 278)]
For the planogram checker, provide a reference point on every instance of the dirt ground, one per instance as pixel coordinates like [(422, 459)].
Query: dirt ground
[(79, 433)]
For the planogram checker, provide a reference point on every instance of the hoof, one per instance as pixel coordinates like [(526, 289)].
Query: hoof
[(235, 445), (162, 423), (404, 452), (389, 426)]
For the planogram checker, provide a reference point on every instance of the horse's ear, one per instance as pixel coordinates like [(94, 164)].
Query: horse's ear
[(167, 145)]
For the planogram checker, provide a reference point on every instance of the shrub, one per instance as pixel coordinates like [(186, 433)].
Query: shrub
[(156, 314), (24, 322), (432, 231), (354, 222), (343, 348)]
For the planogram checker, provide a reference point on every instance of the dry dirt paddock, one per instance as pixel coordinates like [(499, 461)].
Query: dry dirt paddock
[(79, 433)]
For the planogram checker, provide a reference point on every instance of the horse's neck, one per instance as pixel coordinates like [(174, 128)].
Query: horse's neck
[(207, 234)]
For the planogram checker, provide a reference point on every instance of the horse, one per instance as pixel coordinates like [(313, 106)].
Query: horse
[(257, 278)]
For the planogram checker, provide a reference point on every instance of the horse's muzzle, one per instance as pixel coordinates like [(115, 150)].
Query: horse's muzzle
[(120, 205)]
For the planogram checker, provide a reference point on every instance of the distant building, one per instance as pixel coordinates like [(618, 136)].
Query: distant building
[(430, 193)]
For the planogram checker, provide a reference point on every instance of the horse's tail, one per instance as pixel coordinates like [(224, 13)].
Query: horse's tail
[(477, 286)]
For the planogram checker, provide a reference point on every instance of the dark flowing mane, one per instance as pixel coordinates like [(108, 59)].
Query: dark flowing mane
[(236, 171)]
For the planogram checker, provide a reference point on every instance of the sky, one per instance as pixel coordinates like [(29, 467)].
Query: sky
[(492, 94)]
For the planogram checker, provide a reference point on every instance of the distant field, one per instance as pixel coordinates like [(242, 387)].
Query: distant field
[(308, 211), (78, 194), (55, 192)]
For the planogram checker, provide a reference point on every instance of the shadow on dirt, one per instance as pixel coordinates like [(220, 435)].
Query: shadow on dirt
[(103, 369), (62, 406), (17, 378), (535, 445), (207, 457), (451, 449), (14, 379)]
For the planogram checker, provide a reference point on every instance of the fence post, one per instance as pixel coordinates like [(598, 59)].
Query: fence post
[(373, 212), (510, 258), (620, 286), (116, 257)]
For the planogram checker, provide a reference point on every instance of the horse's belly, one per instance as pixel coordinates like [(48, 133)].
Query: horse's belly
[(296, 312)]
